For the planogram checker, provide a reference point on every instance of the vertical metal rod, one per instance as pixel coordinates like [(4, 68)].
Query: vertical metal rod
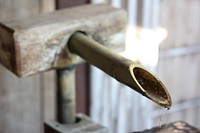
[(66, 100)]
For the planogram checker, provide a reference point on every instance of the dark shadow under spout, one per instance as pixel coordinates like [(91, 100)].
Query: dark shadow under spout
[(124, 70)]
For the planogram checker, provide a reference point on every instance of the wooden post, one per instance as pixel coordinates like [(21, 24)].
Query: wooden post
[(36, 44), (32, 45)]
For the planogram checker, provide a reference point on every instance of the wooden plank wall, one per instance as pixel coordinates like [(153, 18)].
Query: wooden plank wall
[(113, 104), (180, 58), (122, 110), (25, 103)]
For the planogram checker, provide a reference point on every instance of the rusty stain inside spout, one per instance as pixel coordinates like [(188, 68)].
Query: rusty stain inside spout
[(153, 87)]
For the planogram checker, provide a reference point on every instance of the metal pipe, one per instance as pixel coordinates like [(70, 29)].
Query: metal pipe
[(124, 70), (66, 100)]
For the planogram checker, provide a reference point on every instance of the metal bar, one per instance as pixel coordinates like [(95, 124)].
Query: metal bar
[(66, 100), (120, 68)]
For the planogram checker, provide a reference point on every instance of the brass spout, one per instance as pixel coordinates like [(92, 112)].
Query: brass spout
[(124, 70)]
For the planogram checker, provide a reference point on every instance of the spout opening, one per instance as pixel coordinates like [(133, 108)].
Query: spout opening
[(153, 88)]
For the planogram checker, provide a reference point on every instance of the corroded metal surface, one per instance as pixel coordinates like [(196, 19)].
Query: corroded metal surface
[(176, 127), (66, 95)]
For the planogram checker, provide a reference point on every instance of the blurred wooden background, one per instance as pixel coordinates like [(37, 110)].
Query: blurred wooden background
[(164, 36), (25, 103), (179, 60)]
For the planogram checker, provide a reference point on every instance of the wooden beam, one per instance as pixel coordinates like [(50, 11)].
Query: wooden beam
[(83, 124), (36, 44)]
